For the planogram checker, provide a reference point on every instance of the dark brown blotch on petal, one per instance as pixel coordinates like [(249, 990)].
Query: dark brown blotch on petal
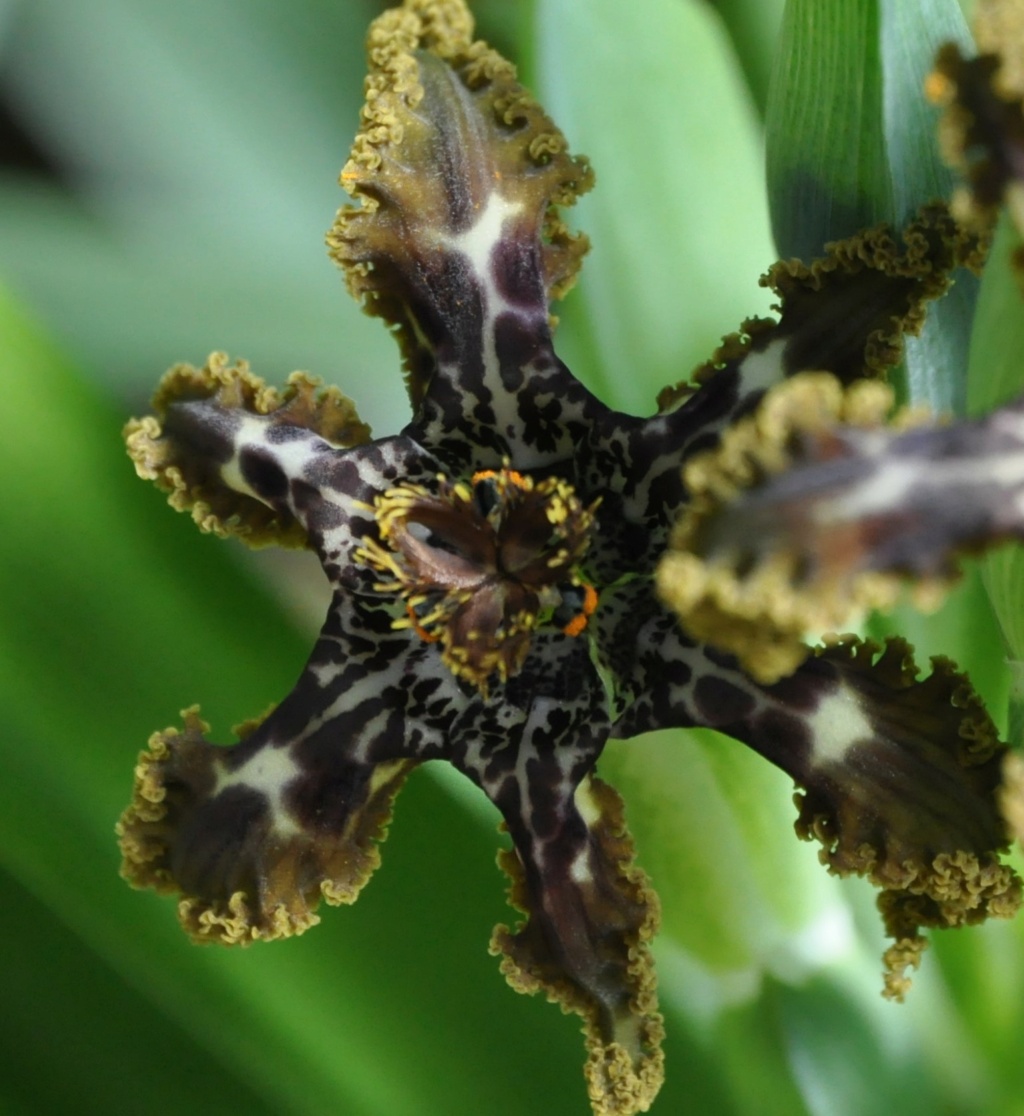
[(910, 797), (222, 835), (184, 445), (586, 945)]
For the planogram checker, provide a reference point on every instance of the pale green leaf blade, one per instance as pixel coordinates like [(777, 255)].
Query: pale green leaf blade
[(851, 143), (677, 220)]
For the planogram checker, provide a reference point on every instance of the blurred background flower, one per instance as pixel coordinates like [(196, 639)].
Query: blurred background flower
[(167, 173)]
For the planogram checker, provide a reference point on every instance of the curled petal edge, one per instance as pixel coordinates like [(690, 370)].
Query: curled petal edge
[(193, 485), (261, 876), (754, 605), (446, 133), (848, 311), (932, 845), (625, 1064)]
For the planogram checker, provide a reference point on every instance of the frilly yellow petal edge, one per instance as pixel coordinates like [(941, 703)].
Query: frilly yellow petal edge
[(394, 171), (981, 130), (762, 615), (932, 849), (215, 507), (848, 311), (625, 1064), (284, 875)]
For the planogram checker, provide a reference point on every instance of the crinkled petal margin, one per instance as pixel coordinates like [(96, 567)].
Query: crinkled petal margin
[(247, 870), (981, 131), (848, 311), (448, 135), (194, 485), (741, 594), (815, 510), (620, 914), (915, 805)]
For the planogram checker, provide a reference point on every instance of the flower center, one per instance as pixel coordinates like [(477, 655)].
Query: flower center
[(481, 565)]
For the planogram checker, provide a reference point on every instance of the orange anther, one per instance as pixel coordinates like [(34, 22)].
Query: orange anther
[(579, 622), (509, 474), (417, 627), (576, 625)]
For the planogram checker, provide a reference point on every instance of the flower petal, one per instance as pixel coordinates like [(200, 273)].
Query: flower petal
[(456, 241), (255, 834), (812, 512), (586, 942), (900, 776), (844, 313), (266, 467), (190, 469), (982, 130)]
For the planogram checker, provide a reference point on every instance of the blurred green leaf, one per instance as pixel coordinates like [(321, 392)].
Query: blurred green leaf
[(995, 377), (851, 143), (677, 220), (714, 825), (753, 26)]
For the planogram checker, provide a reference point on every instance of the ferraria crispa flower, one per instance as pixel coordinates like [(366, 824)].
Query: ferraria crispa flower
[(522, 574)]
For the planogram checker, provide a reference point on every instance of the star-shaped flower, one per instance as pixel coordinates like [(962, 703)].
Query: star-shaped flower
[(497, 600)]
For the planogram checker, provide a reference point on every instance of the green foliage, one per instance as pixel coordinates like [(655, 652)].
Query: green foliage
[(199, 144)]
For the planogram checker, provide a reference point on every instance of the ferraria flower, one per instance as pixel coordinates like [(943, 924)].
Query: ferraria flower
[(522, 574)]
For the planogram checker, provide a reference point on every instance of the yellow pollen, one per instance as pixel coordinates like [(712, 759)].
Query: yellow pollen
[(938, 88)]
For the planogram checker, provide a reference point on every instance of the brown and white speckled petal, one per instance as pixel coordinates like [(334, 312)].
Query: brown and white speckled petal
[(813, 511), (188, 459), (591, 915), (226, 836), (254, 835), (457, 242), (845, 313)]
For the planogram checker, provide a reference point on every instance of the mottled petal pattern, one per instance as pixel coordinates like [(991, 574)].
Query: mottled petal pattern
[(457, 241), (815, 510), (586, 942), (501, 586)]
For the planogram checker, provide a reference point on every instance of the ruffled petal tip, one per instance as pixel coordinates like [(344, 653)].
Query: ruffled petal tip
[(816, 509), (846, 312), (981, 131), (185, 458), (737, 571), (224, 828), (459, 175), (911, 798), (586, 945)]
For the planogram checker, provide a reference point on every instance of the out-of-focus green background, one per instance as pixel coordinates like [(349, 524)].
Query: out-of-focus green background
[(167, 172)]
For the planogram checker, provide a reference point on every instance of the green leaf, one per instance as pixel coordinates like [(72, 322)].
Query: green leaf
[(851, 143), (995, 377), (678, 218), (753, 26), (714, 826)]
